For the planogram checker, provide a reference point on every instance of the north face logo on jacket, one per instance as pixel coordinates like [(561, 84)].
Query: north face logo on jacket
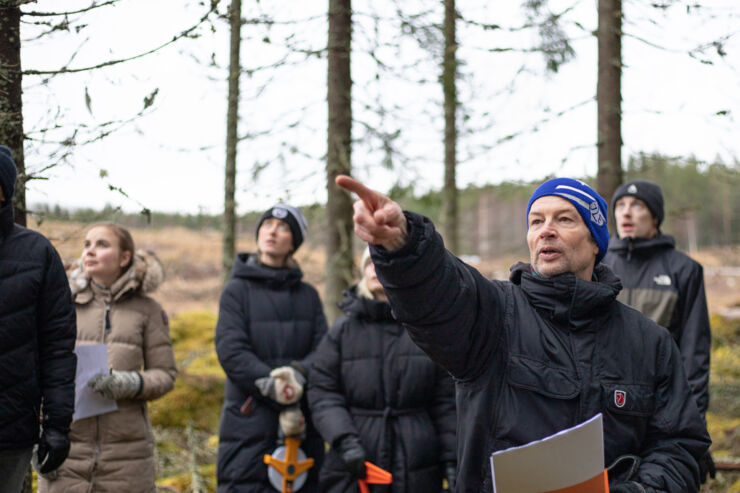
[(662, 280)]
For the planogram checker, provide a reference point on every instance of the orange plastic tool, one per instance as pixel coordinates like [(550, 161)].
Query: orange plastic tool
[(290, 467), (374, 475)]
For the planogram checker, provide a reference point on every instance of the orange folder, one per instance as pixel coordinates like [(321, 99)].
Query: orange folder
[(597, 484)]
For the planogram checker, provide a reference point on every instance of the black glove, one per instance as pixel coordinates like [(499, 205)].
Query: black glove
[(450, 471), (706, 466), (53, 449), (353, 455), (626, 487), (623, 468)]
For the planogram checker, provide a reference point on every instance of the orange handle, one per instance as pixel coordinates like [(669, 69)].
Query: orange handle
[(374, 475)]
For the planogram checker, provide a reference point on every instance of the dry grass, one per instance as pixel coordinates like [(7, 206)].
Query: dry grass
[(192, 261)]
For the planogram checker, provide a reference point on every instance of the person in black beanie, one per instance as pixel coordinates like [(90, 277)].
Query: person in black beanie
[(662, 283), (37, 338), (269, 324)]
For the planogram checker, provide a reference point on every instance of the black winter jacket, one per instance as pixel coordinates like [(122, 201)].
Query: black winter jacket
[(534, 356), (267, 318), (37, 336), (668, 287), (370, 380)]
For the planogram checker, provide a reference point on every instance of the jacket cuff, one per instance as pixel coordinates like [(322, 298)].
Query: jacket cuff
[(60, 423)]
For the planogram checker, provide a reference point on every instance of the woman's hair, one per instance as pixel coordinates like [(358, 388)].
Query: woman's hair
[(125, 240), (362, 288)]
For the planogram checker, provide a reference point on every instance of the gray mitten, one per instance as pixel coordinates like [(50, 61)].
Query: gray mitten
[(284, 385), (292, 421), (117, 384)]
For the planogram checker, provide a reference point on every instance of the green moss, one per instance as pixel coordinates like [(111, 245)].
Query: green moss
[(725, 331), (193, 330), (207, 365), (183, 481), (195, 397)]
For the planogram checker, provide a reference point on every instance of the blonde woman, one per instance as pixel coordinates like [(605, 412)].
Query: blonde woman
[(375, 396), (115, 451)]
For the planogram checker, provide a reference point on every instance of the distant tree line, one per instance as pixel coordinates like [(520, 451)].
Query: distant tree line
[(702, 208)]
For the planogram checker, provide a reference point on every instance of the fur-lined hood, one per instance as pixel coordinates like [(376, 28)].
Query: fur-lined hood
[(145, 274)]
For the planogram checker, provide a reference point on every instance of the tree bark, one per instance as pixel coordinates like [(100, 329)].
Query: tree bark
[(232, 123), (11, 103), (609, 100), (339, 262), (449, 88)]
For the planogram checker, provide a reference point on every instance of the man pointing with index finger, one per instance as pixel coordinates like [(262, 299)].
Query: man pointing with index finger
[(547, 349)]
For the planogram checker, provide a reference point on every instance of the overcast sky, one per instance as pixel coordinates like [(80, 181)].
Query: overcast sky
[(680, 98)]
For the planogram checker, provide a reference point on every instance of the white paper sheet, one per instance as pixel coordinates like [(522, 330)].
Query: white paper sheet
[(562, 460), (91, 360)]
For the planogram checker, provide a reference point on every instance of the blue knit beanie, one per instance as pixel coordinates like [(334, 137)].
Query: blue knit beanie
[(587, 202), (8, 173)]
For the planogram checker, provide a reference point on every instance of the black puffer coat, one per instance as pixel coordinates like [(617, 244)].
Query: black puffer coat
[(267, 318), (535, 355), (668, 287), (370, 380), (37, 336)]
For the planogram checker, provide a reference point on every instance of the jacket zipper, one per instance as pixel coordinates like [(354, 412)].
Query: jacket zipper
[(96, 453), (630, 247), (107, 321)]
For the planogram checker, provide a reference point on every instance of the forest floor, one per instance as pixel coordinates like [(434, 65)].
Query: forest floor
[(186, 419)]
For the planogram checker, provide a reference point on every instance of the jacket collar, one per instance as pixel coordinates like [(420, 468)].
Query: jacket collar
[(642, 246), (246, 266), (366, 308), (566, 299), (146, 274)]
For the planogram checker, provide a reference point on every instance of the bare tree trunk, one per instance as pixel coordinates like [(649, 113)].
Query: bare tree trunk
[(11, 103), (339, 261), (449, 88), (609, 100), (232, 123)]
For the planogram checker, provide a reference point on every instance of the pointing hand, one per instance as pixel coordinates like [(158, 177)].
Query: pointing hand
[(378, 219)]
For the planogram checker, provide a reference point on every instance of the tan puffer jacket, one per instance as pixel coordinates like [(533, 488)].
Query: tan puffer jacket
[(114, 452)]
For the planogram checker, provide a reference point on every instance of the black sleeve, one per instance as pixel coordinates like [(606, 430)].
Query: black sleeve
[(450, 310), (676, 437), (57, 331), (444, 415), (695, 335), (233, 345), (326, 399)]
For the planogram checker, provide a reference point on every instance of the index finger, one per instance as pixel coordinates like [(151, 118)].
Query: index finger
[(367, 195)]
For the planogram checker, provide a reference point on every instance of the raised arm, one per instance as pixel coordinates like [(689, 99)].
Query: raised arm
[(450, 310)]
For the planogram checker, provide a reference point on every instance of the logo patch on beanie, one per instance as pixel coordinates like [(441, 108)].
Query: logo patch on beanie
[(596, 215), (632, 188), (279, 212)]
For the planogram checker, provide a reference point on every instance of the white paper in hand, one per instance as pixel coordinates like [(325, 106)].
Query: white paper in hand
[(91, 360), (571, 461)]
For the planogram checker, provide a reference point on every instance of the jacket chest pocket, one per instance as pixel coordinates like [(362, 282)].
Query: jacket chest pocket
[(557, 383), (627, 410), (536, 401)]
